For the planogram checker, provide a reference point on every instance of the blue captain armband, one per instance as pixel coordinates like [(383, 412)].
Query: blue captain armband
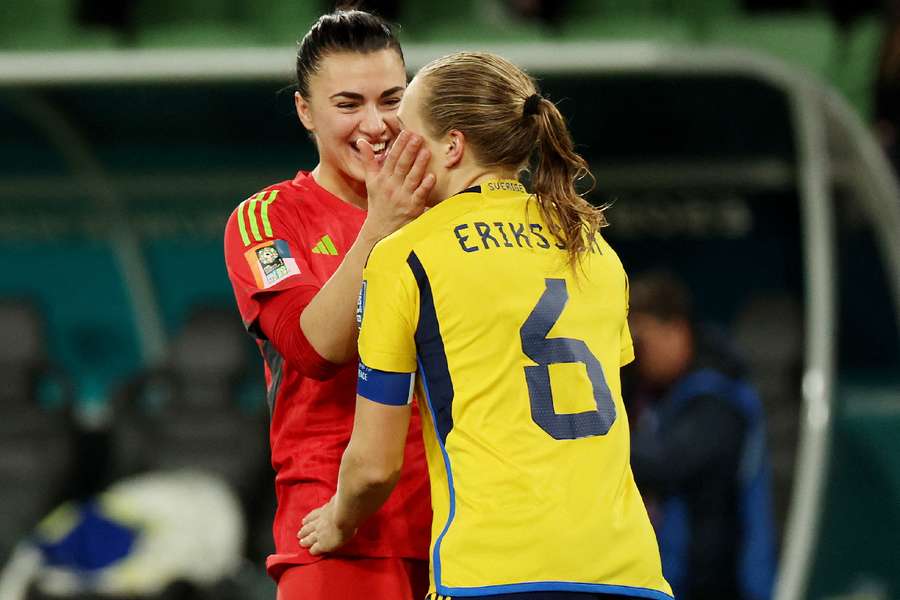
[(384, 387)]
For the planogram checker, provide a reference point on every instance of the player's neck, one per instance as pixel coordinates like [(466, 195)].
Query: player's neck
[(346, 188)]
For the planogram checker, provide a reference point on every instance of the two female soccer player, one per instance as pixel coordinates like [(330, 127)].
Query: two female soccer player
[(295, 254), (509, 310)]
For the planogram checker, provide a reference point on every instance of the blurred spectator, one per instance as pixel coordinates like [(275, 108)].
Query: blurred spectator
[(698, 450), (887, 87)]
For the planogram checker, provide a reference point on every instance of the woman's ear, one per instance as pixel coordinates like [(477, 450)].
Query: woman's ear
[(303, 111), (455, 148)]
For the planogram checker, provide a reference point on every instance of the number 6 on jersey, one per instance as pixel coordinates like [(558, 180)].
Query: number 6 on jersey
[(549, 351)]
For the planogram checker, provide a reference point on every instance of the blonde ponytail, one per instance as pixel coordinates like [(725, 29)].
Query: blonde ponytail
[(508, 124)]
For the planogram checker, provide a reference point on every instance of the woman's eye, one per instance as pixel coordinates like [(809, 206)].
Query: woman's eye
[(346, 105)]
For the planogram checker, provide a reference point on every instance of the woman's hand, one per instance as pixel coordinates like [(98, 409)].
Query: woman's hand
[(320, 533), (399, 188)]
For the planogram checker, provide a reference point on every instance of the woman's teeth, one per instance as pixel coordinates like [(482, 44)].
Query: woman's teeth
[(379, 147)]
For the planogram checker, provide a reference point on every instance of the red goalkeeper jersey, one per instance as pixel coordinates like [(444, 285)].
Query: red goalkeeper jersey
[(284, 243)]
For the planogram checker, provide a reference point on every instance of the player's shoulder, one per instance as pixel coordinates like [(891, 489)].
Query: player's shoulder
[(390, 251), (263, 213)]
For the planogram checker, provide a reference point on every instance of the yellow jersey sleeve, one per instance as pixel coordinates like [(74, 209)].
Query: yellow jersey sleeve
[(388, 313), (626, 345)]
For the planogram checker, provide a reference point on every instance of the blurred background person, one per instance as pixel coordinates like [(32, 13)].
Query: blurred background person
[(698, 449)]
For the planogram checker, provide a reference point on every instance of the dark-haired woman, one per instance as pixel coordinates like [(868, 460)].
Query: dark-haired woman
[(509, 309), (295, 253)]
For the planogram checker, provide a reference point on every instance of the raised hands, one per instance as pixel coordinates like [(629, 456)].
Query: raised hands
[(399, 188)]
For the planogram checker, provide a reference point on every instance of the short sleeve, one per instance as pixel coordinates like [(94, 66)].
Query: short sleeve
[(626, 345), (388, 311), (264, 254)]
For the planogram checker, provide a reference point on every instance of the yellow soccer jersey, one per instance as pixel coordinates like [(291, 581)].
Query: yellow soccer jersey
[(517, 357)]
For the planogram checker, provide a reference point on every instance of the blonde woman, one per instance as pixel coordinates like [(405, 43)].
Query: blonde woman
[(508, 309)]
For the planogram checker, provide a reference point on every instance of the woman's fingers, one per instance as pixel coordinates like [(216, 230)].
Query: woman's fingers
[(406, 159), (309, 539), (420, 196), (395, 150), (417, 170), (368, 156), (312, 516), (306, 529)]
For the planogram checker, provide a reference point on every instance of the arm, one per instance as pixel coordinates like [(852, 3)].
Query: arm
[(369, 471), (397, 192)]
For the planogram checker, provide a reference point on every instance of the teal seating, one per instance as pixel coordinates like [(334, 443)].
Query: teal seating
[(856, 66), (48, 25), (464, 21), (623, 20), (192, 35), (635, 28), (803, 40), (276, 22), (191, 23), (93, 330)]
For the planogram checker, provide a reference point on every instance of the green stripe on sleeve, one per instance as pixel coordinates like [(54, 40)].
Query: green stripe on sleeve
[(264, 212), (251, 215), (241, 225)]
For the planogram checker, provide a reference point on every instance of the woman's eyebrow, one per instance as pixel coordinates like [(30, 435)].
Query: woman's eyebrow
[(348, 95), (359, 97), (392, 91)]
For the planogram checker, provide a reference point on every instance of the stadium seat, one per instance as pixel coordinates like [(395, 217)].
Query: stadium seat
[(37, 451), (806, 41), (856, 67), (189, 414), (769, 333), (667, 30), (31, 24), (193, 35), (191, 23), (624, 20), (464, 21), (275, 22)]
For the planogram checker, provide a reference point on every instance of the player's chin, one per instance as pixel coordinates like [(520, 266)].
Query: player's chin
[(354, 167)]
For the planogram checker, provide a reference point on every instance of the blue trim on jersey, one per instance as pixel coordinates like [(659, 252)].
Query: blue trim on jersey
[(436, 554), (430, 349), (384, 387), (552, 586), (438, 386)]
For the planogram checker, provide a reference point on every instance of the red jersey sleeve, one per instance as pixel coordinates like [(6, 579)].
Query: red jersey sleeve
[(265, 256)]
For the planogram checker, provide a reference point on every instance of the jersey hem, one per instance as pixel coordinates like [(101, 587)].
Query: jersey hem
[(553, 586)]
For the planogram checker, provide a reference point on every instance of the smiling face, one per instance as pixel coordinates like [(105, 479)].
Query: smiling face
[(352, 95)]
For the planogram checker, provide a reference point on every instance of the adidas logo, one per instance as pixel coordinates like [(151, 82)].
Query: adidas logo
[(325, 246)]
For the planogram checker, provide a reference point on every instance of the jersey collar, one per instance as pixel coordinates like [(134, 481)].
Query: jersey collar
[(497, 187)]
